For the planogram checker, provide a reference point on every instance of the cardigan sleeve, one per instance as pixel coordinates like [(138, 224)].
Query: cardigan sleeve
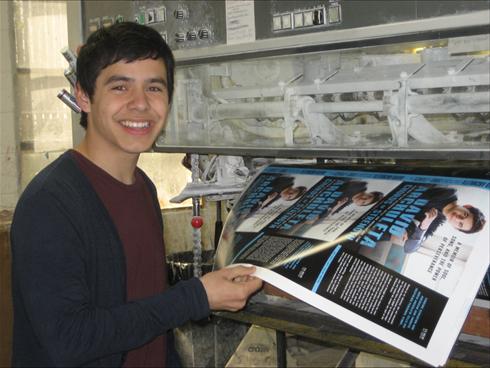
[(50, 284)]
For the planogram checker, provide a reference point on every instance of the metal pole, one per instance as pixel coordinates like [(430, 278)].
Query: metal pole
[(281, 349)]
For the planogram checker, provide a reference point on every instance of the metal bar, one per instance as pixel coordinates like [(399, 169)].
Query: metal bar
[(247, 92), (281, 349), (436, 152), (247, 110), (275, 109), (444, 81), (218, 225), (356, 106), (449, 103), (360, 85)]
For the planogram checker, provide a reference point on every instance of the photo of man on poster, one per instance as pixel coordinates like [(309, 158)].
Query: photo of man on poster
[(442, 206), (353, 193)]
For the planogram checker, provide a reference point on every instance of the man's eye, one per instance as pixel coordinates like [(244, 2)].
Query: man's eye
[(119, 88), (155, 89)]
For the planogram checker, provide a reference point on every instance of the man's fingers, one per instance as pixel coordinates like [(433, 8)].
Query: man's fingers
[(242, 278), (253, 284), (248, 287), (229, 288), (236, 271)]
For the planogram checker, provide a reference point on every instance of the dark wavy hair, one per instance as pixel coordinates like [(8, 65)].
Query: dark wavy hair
[(126, 41), (479, 220), (301, 190), (376, 196)]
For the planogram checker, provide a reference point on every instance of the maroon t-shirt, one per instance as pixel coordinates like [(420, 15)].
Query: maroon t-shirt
[(132, 210)]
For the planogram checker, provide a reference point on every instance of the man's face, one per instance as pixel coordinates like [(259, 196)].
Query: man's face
[(290, 193), (129, 107), (363, 199), (460, 218)]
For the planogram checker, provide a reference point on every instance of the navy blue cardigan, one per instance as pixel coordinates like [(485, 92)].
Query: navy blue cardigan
[(69, 279)]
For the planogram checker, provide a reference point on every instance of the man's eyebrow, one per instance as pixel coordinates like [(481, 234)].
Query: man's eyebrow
[(158, 80), (118, 78), (122, 78)]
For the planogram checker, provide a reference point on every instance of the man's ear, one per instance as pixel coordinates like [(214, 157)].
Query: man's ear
[(82, 99)]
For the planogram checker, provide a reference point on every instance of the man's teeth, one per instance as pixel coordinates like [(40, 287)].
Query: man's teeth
[(135, 124)]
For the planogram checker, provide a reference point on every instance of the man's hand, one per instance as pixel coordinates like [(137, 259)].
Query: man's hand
[(229, 288), (430, 216)]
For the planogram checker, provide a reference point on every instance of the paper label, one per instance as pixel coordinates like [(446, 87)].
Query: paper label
[(240, 21)]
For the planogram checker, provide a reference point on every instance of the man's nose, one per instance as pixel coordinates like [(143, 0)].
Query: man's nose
[(139, 99)]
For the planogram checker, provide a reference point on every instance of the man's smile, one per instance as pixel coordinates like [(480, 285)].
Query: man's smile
[(135, 124)]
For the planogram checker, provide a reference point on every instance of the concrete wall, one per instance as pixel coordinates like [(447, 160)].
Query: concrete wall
[(44, 122), (9, 147)]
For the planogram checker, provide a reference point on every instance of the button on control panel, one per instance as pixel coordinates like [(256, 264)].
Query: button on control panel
[(191, 35), (180, 37), (297, 19), (203, 33), (181, 13)]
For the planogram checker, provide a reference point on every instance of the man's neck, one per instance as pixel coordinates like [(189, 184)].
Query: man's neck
[(120, 165)]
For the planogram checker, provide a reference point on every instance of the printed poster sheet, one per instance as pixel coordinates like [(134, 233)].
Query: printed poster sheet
[(483, 294), (399, 256)]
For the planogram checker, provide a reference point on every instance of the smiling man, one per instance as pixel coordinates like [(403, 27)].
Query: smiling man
[(126, 112), (88, 274)]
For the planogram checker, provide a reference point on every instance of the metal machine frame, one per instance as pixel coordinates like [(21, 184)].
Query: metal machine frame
[(402, 102)]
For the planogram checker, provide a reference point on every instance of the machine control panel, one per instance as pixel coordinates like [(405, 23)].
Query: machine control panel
[(189, 24), (183, 24)]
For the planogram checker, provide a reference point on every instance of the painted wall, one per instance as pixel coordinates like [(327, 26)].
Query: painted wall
[(9, 148)]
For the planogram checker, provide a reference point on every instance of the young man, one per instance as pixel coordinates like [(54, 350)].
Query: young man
[(283, 189), (355, 192), (442, 206), (89, 285)]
